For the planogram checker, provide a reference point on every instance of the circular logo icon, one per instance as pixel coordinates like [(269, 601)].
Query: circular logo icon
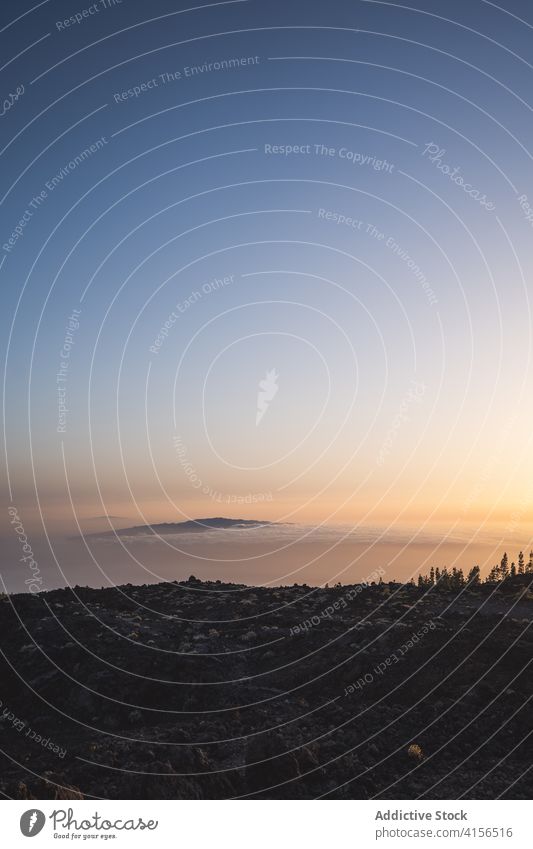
[(32, 822)]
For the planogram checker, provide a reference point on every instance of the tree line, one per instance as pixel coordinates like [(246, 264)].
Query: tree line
[(455, 579)]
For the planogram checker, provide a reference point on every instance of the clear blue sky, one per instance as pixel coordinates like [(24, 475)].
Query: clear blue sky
[(337, 200)]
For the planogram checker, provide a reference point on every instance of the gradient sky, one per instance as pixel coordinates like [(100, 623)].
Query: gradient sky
[(396, 401)]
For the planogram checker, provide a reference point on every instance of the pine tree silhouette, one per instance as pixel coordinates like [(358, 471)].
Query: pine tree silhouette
[(504, 566), (444, 579), (474, 576)]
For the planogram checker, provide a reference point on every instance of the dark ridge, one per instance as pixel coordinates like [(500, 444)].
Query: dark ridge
[(187, 527)]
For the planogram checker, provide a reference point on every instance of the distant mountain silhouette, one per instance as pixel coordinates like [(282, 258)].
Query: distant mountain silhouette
[(101, 518), (188, 527)]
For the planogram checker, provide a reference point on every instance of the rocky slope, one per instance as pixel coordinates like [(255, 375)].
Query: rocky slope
[(210, 690)]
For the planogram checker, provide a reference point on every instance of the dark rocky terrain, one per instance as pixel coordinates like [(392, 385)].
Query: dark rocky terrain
[(209, 690)]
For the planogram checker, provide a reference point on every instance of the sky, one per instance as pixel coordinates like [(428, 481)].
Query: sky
[(268, 260)]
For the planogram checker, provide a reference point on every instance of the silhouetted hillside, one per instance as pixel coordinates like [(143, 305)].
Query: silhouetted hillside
[(188, 527), (210, 690)]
